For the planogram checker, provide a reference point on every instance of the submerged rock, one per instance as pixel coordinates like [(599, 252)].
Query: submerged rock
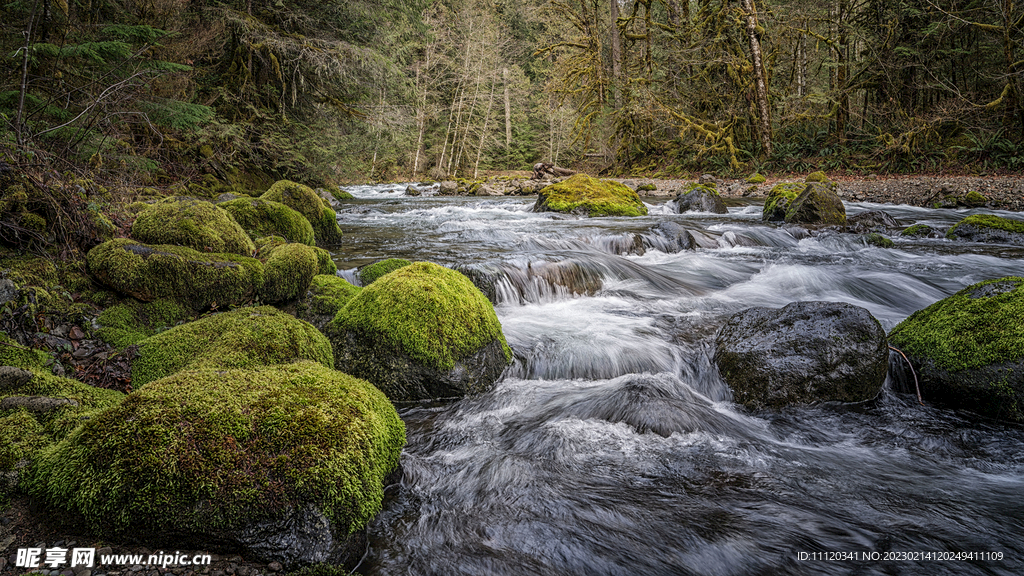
[(968, 349), (699, 198), (988, 228), (804, 352), (421, 332), (872, 221), (286, 463), (586, 196)]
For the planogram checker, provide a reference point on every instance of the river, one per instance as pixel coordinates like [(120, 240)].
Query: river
[(611, 445)]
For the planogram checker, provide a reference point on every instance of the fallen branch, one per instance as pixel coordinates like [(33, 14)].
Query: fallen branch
[(916, 386)]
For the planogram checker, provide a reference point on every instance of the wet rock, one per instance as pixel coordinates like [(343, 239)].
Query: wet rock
[(818, 204), (921, 231), (779, 199), (586, 196), (413, 191), (448, 188), (703, 197), (805, 352), (671, 237), (871, 221), (988, 228), (968, 349), (8, 291)]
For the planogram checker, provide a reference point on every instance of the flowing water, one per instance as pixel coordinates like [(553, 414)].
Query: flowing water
[(611, 445)]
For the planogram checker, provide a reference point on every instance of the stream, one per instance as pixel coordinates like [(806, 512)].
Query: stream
[(611, 445)]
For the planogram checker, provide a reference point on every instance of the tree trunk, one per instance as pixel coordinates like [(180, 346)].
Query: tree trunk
[(616, 55), (19, 119), (764, 125), (508, 110)]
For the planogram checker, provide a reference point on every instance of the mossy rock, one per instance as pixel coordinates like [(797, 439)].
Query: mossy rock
[(818, 176), (648, 187), (132, 321), (288, 271), (196, 280), (368, 274), (585, 196), (919, 230), (193, 223), (422, 331), (286, 463), (327, 295), (701, 198), (779, 199), (307, 202), (969, 348), (22, 433), (756, 178), (817, 205), (988, 228), (325, 262), (259, 217), (340, 194), (242, 338), (875, 239)]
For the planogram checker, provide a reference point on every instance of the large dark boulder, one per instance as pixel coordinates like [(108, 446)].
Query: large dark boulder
[(988, 228), (968, 349), (778, 200), (699, 198), (420, 332), (805, 352), (819, 204)]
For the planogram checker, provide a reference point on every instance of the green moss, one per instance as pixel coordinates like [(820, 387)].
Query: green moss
[(219, 449), (917, 230), (243, 338), (430, 313), (131, 321), (33, 222), (988, 221), (326, 296), (709, 188), (196, 280), (193, 223), (649, 187), (136, 207), (325, 262), (267, 243), (288, 271), (21, 436), (340, 194), (756, 178), (876, 239), (582, 194), (968, 329), (368, 274), (260, 218), (974, 198), (817, 177), (304, 200), (778, 200), (818, 204)]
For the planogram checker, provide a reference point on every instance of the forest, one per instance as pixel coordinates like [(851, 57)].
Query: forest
[(151, 92)]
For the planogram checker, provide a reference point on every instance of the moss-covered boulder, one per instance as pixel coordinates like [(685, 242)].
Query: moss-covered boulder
[(968, 349), (920, 231), (819, 204), (778, 200), (285, 462), (197, 280), (325, 262), (288, 270), (25, 374), (198, 224), (421, 332), (804, 352), (988, 228), (585, 196), (756, 178), (368, 274), (699, 198), (876, 239), (131, 321), (327, 295), (259, 217), (307, 202), (243, 338)]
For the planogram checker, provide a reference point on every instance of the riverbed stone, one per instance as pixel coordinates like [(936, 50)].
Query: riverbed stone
[(699, 198), (968, 349), (286, 463), (779, 199), (421, 332), (818, 204), (587, 196), (804, 352), (988, 228)]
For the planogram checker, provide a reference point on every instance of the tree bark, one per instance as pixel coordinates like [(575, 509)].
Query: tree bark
[(616, 42), (764, 125), (508, 110)]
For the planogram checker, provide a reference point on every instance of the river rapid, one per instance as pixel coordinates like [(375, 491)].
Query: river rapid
[(611, 445)]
